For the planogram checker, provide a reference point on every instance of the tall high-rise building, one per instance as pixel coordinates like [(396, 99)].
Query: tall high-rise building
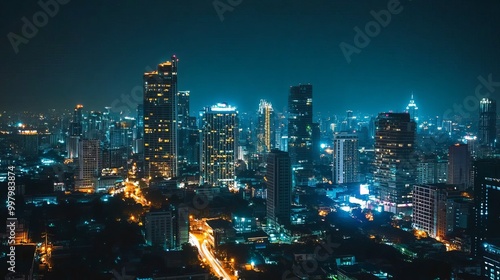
[(279, 188), (300, 132), (265, 127), (183, 122), (486, 242), (486, 198), (459, 166), (140, 121), (219, 134), (89, 163), (160, 120), (345, 158), (487, 122), (394, 165), (183, 108), (412, 109), (75, 132), (430, 205), (75, 127)]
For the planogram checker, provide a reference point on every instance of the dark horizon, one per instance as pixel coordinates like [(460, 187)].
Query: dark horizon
[(256, 52)]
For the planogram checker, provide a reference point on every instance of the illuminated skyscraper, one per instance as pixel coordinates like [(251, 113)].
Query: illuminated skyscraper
[(265, 127), (279, 188), (160, 115), (345, 158), (395, 166), (412, 109), (300, 132), (219, 145), (487, 122)]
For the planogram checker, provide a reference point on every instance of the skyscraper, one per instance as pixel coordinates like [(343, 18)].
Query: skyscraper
[(300, 132), (219, 145), (487, 122), (430, 205), (345, 158), (265, 127), (75, 132), (278, 179), (160, 126), (183, 126), (486, 242), (459, 166), (412, 109), (183, 108), (486, 197), (394, 166), (89, 163)]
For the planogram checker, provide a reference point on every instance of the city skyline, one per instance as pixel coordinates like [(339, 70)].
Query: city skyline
[(229, 139)]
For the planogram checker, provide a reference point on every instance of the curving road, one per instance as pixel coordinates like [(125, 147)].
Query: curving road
[(206, 254)]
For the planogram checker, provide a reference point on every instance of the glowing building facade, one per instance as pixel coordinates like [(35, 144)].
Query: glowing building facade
[(265, 127), (219, 136), (160, 120), (394, 165), (345, 158)]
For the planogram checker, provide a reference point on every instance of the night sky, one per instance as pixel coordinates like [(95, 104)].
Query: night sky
[(92, 52)]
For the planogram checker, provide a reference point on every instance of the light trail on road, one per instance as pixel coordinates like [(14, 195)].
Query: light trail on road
[(207, 255)]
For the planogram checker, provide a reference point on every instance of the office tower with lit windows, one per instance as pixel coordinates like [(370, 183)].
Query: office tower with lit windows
[(430, 208), (412, 109), (300, 132), (345, 158), (486, 237), (278, 180), (432, 171), (459, 166), (487, 122), (219, 136), (487, 206), (89, 163), (160, 115), (394, 164), (265, 127)]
